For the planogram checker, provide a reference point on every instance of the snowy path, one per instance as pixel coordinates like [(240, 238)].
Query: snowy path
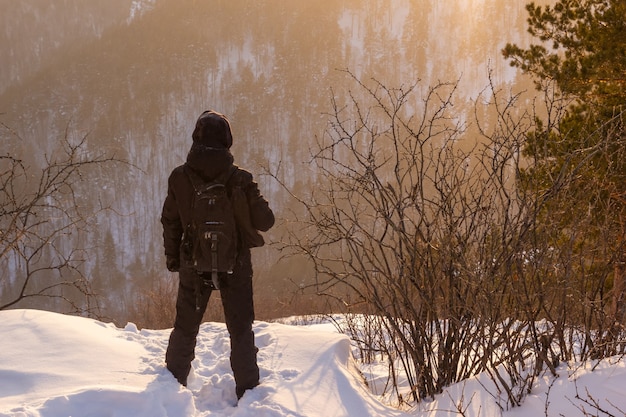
[(60, 365)]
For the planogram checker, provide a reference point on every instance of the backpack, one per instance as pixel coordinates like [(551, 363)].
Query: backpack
[(210, 241)]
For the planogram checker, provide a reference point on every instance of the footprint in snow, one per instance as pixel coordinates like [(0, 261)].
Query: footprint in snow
[(216, 394), (289, 374)]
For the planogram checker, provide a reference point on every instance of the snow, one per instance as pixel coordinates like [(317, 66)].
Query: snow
[(138, 7), (54, 365)]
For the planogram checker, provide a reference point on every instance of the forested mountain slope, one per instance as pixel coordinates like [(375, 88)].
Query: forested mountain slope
[(134, 76)]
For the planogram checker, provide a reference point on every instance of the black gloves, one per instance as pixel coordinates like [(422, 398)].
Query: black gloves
[(173, 264)]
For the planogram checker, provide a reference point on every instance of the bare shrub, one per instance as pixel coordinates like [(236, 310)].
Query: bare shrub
[(426, 225), (420, 224), (155, 306), (43, 215)]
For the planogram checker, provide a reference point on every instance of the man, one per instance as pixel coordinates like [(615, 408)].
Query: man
[(208, 160)]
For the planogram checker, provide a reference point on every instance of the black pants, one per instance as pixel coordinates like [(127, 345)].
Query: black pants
[(236, 294)]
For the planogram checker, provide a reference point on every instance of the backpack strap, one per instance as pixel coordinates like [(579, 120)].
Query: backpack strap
[(199, 184)]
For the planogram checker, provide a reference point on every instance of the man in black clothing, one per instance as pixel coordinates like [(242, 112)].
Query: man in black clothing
[(209, 158)]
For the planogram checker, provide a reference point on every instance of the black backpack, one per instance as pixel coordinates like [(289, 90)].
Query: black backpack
[(210, 241)]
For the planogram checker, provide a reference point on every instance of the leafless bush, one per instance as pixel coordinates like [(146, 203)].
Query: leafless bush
[(419, 223), (155, 307), (43, 215), (425, 224)]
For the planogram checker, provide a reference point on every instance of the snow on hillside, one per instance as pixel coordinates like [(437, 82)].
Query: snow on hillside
[(54, 365), (138, 7)]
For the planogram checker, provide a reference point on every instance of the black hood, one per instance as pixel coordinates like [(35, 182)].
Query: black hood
[(209, 162), (213, 130)]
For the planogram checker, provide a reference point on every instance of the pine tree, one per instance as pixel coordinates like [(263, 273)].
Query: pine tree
[(588, 48), (582, 52)]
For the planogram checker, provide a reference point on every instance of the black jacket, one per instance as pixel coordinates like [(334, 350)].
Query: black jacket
[(209, 163)]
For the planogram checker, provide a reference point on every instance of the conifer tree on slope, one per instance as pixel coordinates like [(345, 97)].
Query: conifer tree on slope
[(582, 51)]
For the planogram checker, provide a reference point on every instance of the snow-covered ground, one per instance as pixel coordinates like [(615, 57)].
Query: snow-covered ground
[(55, 365)]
